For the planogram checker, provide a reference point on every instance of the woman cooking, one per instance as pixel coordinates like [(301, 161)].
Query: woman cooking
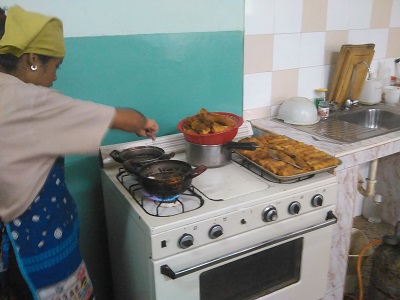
[(39, 257)]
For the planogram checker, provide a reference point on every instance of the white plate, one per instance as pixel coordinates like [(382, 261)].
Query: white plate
[(311, 123)]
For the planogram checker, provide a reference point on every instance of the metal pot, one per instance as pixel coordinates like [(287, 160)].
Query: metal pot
[(214, 156), (140, 155), (164, 178)]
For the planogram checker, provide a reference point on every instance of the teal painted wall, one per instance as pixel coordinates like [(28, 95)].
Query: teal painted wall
[(167, 77)]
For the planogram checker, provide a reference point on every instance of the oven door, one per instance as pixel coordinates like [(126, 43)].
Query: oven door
[(253, 265)]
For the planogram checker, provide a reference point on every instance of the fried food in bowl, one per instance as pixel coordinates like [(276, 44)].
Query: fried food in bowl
[(210, 128)]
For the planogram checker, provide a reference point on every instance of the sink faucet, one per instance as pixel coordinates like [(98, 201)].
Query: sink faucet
[(368, 68), (350, 102)]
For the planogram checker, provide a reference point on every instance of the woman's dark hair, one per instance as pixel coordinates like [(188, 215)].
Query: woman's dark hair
[(8, 61), (2, 21)]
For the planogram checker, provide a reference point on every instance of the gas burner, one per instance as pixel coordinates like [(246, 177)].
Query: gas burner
[(185, 202), (154, 206), (169, 204), (158, 199)]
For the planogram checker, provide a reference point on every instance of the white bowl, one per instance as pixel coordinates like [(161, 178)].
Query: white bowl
[(298, 111)]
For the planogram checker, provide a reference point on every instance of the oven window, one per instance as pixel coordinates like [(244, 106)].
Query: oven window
[(255, 275)]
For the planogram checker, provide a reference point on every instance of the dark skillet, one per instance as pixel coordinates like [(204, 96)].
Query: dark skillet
[(141, 154), (164, 178)]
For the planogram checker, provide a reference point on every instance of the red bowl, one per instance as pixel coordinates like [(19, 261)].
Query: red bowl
[(213, 138)]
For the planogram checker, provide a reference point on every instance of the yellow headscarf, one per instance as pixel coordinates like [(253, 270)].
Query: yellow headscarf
[(28, 32)]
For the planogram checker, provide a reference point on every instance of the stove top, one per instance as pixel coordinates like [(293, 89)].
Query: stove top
[(217, 192)]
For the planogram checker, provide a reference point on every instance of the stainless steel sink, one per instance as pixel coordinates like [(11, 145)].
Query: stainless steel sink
[(355, 125), (372, 118)]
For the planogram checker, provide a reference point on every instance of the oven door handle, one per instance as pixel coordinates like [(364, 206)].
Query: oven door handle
[(167, 271)]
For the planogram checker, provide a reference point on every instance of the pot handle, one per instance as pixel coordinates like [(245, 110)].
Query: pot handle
[(132, 167), (243, 146), (115, 154), (196, 172)]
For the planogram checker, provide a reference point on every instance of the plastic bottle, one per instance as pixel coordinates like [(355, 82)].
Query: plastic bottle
[(376, 210)]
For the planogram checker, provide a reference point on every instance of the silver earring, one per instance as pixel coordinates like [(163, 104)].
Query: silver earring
[(33, 68)]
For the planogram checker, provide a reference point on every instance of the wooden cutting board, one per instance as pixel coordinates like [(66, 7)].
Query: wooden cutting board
[(344, 84)]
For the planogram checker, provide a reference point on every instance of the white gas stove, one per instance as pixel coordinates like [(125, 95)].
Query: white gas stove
[(229, 214)]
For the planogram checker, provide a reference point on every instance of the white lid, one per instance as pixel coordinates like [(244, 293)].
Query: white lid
[(378, 198)]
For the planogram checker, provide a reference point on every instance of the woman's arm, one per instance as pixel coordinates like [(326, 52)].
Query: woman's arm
[(133, 121)]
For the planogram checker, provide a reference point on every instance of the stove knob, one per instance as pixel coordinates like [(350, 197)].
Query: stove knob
[(215, 231), (317, 200), (294, 208), (186, 241), (269, 214)]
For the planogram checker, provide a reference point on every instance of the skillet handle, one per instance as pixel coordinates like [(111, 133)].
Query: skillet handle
[(115, 154), (196, 172), (243, 146), (167, 156)]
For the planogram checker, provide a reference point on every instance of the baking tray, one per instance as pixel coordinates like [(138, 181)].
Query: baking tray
[(259, 132), (286, 178)]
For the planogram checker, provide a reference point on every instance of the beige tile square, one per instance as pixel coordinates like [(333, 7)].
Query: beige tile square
[(284, 85), (393, 47), (314, 15), (333, 42), (380, 15), (258, 51)]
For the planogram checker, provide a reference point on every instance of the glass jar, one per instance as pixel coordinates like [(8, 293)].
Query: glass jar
[(321, 103), (323, 109)]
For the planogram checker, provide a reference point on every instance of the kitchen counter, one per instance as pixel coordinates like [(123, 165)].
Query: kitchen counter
[(351, 153), (347, 174)]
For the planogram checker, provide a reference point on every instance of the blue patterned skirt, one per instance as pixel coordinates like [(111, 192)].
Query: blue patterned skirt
[(45, 239)]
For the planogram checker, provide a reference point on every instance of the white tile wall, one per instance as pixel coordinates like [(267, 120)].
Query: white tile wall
[(312, 47), (309, 52), (286, 51), (259, 17), (358, 36), (257, 90), (395, 16), (379, 37), (288, 16), (338, 17), (311, 78), (360, 13)]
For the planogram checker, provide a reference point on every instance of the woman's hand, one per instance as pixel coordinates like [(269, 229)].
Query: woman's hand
[(131, 120), (150, 129)]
